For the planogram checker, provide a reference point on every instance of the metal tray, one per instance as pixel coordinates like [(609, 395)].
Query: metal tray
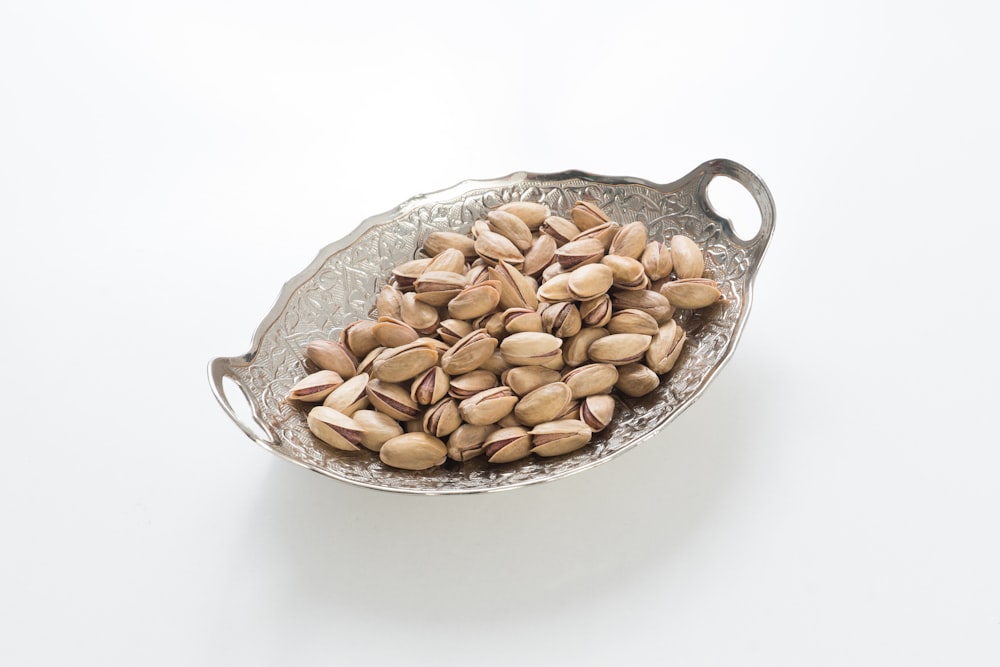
[(341, 284)]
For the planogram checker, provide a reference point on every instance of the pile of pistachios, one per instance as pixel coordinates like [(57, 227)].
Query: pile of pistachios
[(506, 342)]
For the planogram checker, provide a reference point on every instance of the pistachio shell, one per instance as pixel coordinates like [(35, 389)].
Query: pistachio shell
[(687, 258), (475, 301), (469, 441), (531, 213), (590, 281), (630, 240), (636, 380), (493, 248), (470, 384), (559, 437), (469, 353), (626, 272), (596, 411), (359, 337), (591, 379), (645, 300), (619, 349), (451, 260), (389, 302), (587, 215), (438, 242), (331, 355), (334, 428), (560, 229), (392, 333), (580, 253), (392, 399), (557, 288), (604, 233), (508, 444), (516, 291), (561, 319), (530, 348), (405, 362), (518, 320), (315, 387), (407, 272), (376, 428), (442, 418), (539, 256), (437, 288), (511, 227), (525, 379), (430, 386), (543, 404), (421, 316), (691, 292), (488, 406), (656, 260), (596, 312), (451, 331), (633, 320), (413, 451), (575, 349), (665, 348)]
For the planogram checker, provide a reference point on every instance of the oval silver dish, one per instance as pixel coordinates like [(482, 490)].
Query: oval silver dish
[(341, 284)]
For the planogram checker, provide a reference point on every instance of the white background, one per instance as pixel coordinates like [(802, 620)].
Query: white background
[(832, 499)]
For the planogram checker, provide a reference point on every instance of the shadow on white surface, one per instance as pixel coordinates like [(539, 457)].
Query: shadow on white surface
[(324, 545)]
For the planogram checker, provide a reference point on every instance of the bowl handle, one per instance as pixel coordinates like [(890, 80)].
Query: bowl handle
[(218, 370), (761, 195)]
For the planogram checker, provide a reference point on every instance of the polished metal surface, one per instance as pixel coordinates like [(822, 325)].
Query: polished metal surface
[(341, 284)]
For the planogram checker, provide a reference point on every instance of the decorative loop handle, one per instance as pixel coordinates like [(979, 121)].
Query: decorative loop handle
[(218, 370)]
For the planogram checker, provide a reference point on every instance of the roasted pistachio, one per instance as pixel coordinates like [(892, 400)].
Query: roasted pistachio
[(442, 418), (475, 301), (493, 248), (636, 380), (591, 379), (390, 332), (627, 273), (468, 441), (421, 316), (687, 258), (331, 355), (691, 292), (630, 240), (316, 386), (646, 300), (511, 227), (559, 437), (507, 444), (633, 320), (392, 399), (365, 365), (451, 330), (359, 337), (580, 253), (470, 384), (516, 291), (488, 406), (556, 288), (349, 397), (604, 233), (451, 260), (656, 260), (525, 379), (430, 386), (560, 229), (413, 451), (596, 312), (596, 411), (519, 320), (438, 242), (576, 347), (389, 302), (590, 281), (531, 213), (437, 288), (665, 347), (407, 272), (619, 349), (587, 215), (469, 353), (405, 362), (334, 428), (376, 428), (560, 319), (530, 349), (539, 255), (543, 404)]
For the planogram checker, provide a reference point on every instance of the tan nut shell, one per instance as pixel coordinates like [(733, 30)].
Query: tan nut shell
[(413, 451), (543, 404)]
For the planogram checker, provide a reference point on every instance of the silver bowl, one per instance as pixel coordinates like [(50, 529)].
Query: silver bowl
[(341, 284)]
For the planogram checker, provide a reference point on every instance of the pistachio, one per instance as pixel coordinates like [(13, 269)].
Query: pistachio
[(419, 315), (551, 271), (543, 404), (413, 425), (556, 288), (389, 302), (619, 349), (630, 240), (656, 260), (646, 300), (437, 288), (469, 353), (449, 259), (442, 418), (576, 347), (691, 292), (438, 242), (413, 451), (590, 281), (334, 428), (524, 379), (530, 349), (560, 319), (488, 406), (508, 421), (531, 213), (518, 320), (560, 229), (636, 380), (596, 312), (665, 348), (633, 320), (365, 365), (349, 397), (390, 332), (559, 437), (496, 364), (580, 253), (478, 227), (359, 337), (450, 331), (511, 227), (316, 386), (587, 215), (475, 301), (405, 362), (468, 441), (572, 411), (493, 248), (376, 428), (392, 399), (597, 411), (435, 344), (604, 233), (516, 291), (539, 255), (687, 258), (493, 323), (556, 363), (430, 386), (407, 272), (469, 384), (591, 379), (330, 355), (627, 272), (507, 444), (477, 273)]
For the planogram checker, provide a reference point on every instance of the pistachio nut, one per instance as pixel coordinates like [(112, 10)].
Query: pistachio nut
[(437, 288), (627, 272), (334, 428), (421, 316), (530, 348), (365, 365), (430, 386), (438, 242), (665, 347), (406, 273), (390, 332), (539, 255), (507, 444), (508, 421), (376, 428), (543, 404), (469, 353), (468, 441), (633, 320), (511, 227), (596, 312), (604, 233), (478, 227), (559, 437), (516, 290), (488, 406), (687, 258), (349, 397), (434, 343), (531, 213), (580, 253), (560, 319), (493, 248), (496, 364), (469, 384), (646, 300), (556, 363), (359, 337), (524, 379), (475, 301), (442, 418), (590, 281), (587, 215), (619, 349), (389, 302), (596, 411), (551, 271), (560, 229), (450, 259), (413, 451), (518, 320), (636, 380), (691, 292), (478, 272), (316, 386), (656, 260), (591, 379), (630, 240), (493, 323), (405, 362), (556, 288), (331, 355), (572, 411), (576, 347), (392, 399), (450, 331)]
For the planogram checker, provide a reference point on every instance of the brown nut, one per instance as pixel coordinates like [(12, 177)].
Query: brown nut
[(392, 399), (656, 260), (575, 349), (470, 384), (525, 379), (438, 242), (559, 437), (630, 240), (596, 411), (596, 312), (580, 253), (488, 406), (543, 404), (359, 337), (349, 397), (430, 386), (633, 320), (315, 387), (405, 362), (560, 229), (407, 272), (469, 353), (561, 319), (391, 332), (413, 451), (604, 233), (511, 227), (450, 259), (627, 273), (636, 380), (389, 302), (665, 348), (531, 349), (330, 355), (442, 418), (591, 379), (691, 292), (475, 301), (334, 428), (531, 213), (376, 428), (519, 320), (539, 256), (619, 349), (646, 300), (590, 281), (423, 317), (437, 288), (587, 215), (469, 441), (687, 258), (451, 331), (516, 290), (507, 444)]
